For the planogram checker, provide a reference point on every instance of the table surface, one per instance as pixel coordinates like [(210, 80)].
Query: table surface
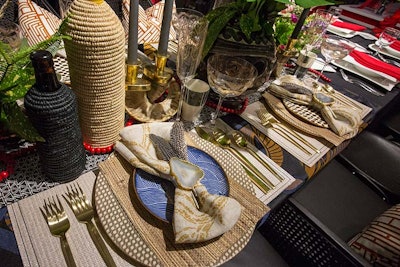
[(28, 179)]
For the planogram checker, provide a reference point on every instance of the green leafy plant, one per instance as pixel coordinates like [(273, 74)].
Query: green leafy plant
[(254, 18), (16, 77), (285, 23)]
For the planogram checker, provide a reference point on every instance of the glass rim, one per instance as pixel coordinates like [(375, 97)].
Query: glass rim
[(253, 68)]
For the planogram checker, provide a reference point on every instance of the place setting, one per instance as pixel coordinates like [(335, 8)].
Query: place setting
[(371, 66), (301, 113), (138, 211), (149, 203), (213, 126), (349, 30), (388, 44), (299, 126)]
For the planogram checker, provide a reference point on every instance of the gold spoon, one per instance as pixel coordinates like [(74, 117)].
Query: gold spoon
[(225, 142), (257, 181), (241, 141), (330, 90)]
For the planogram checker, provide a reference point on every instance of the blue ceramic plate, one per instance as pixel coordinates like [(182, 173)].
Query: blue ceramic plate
[(157, 194)]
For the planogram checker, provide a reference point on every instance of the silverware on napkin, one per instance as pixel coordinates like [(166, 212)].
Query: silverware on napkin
[(83, 211), (58, 223)]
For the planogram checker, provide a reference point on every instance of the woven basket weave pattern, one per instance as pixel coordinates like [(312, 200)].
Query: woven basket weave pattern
[(55, 116), (96, 59)]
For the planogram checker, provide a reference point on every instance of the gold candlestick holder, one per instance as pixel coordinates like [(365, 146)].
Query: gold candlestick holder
[(159, 75), (154, 104), (132, 82), (283, 55)]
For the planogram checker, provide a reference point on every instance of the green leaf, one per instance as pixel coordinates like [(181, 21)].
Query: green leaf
[(308, 3), (18, 123), (248, 24), (15, 85), (313, 3), (216, 25), (17, 77)]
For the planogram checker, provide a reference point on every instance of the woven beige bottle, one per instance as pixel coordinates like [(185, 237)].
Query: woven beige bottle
[(96, 59)]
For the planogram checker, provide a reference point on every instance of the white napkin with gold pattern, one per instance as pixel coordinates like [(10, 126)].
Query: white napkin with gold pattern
[(341, 120), (214, 214)]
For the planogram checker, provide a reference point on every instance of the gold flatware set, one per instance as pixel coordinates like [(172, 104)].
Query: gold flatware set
[(241, 141), (58, 222), (223, 140), (269, 121)]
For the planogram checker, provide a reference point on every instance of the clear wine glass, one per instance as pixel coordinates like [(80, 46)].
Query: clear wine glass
[(387, 37), (191, 29), (334, 47), (314, 30), (228, 77)]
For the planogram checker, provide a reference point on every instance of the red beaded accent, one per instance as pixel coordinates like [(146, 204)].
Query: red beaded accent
[(9, 160), (230, 110), (4, 175), (108, 149), (323, 77), (9, 164), (97, 150), (130, 121)]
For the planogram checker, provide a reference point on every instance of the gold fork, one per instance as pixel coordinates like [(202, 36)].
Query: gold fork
[(268, 120), (58, 223), (84, 212)]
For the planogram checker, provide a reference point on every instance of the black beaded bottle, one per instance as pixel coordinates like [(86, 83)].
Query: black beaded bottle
[(52, 108)]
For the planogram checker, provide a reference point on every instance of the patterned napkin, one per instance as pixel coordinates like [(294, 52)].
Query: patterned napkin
[(340, 119), (375, 64), (37, 23), (347, 25), (142, 145)]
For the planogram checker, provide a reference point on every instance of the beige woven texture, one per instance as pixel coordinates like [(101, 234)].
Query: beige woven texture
[(156, 238), (96, 59), (38, 247)]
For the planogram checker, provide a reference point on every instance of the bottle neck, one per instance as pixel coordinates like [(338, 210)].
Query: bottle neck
[(47, 81), (46, 78)]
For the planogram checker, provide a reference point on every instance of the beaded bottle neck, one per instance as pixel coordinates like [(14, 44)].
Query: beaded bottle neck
[(46, 78)]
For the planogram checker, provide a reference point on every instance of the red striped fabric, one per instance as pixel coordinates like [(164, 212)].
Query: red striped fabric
[(379, 243)]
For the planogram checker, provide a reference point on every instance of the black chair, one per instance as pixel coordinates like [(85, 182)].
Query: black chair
[(377, 160), (258, 252), (313, 226), (392, 124)]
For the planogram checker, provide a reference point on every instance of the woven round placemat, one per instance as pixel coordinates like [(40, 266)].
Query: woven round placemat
[(96, 59), (150, 241)]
